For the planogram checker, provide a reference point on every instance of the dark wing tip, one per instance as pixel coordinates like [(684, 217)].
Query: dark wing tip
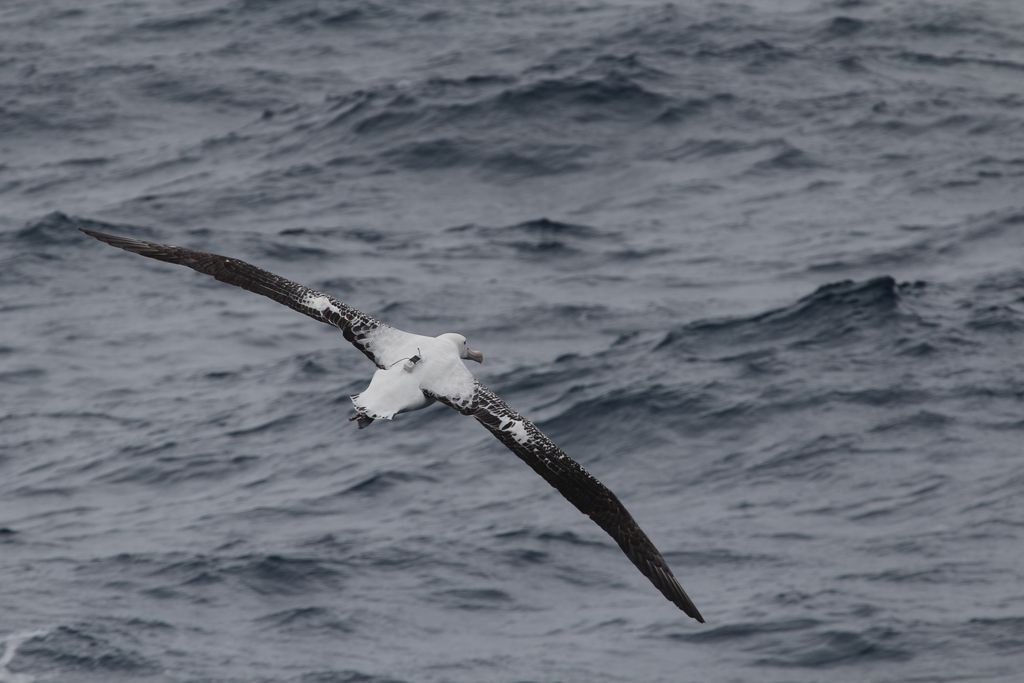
[(160, 252), (97, 234), (693, 611), (93, 233), (683, 602), (666, 582), (126, 243)]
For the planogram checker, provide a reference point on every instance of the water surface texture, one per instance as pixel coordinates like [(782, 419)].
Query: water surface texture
[(759, 267)]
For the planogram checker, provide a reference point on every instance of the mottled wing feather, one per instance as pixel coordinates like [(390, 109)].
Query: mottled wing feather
[(590, 496), (355, 325)]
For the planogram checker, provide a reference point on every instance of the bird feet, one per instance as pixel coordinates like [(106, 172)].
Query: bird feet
[(361, 418)]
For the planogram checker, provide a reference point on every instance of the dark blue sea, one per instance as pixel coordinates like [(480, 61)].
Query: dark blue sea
[(758, 266)]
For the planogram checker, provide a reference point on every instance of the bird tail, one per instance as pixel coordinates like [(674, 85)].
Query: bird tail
[(361, 418)]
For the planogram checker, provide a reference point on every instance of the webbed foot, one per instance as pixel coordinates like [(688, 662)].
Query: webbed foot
[(361, 418)]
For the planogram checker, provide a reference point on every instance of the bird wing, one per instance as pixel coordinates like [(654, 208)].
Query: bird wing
[(590, 496), (370, 336)]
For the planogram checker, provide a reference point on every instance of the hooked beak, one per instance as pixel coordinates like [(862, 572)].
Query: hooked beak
[(474, 355)]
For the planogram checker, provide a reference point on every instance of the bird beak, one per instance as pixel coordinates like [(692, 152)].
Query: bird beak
[(474, 355)]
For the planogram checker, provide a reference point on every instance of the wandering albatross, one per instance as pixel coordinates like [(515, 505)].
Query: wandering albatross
[(412, 372)]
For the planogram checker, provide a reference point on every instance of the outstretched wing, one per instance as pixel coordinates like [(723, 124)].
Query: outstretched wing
[(590, 496), (368, 335)]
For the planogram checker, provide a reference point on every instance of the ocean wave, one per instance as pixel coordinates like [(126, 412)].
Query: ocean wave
[(604, 426), (833, 313), (843, 27), (543, 228), (11, 644), (928, 59), (834, 648), (1001, 634), (31, 375), (451, 123), (378, 482), (61, 230), (687, 110), (88, 649), (754, 54), (567, 537), (302, 16), (744, 630), (709, 148), (542, 237), (584, 99), (306, 620), (176, 21), (927, 244), (474, 103), (161, 465), (788, 158), (508, 158), (263, 574), (1001, 318), (474, 599)]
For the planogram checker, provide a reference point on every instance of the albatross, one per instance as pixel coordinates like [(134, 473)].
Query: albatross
[(414, 371)]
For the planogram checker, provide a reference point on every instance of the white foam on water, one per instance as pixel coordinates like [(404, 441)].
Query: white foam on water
[(11, 644)]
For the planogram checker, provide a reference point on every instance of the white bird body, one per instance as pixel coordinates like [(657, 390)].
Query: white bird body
[(424, 365)]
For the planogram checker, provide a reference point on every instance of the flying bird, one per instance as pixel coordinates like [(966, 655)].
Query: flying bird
[(414, 371)]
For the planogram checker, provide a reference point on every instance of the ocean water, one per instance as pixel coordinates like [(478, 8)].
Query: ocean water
[(758, 266)]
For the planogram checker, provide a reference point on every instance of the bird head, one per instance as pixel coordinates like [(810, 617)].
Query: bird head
[(460, 343)]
